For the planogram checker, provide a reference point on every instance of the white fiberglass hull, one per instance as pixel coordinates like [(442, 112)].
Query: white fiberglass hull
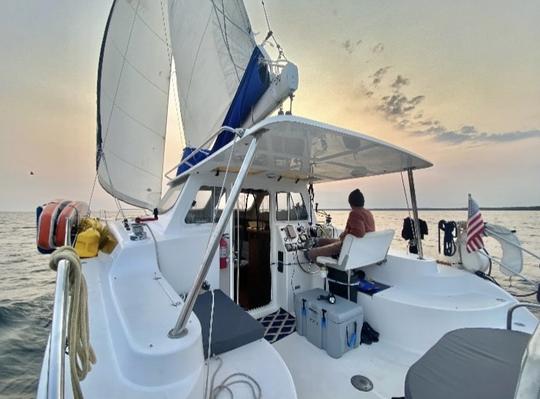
[(132, 308)]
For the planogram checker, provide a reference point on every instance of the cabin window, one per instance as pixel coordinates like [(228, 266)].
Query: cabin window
[(170, 198), (290, 206), (245, 201), (206, 206)]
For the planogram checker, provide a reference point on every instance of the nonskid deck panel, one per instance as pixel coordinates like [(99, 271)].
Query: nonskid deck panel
[(278, 325)]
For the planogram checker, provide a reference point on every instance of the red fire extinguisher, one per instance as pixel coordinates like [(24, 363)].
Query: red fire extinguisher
[(224, 251)]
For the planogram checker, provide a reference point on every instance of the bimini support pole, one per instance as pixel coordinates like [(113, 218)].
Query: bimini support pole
[(417, 232), (180, 329)]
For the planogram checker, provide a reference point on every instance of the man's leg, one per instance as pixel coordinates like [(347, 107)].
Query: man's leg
[(321, 242), (327, 250)]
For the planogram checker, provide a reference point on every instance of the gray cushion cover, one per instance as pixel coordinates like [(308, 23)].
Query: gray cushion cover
[(233, 326), (469, 363)]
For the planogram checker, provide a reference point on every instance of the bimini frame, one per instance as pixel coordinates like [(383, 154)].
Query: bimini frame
[(302, 150)]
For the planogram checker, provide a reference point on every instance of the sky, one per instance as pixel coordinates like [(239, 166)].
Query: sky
[(455, 82)]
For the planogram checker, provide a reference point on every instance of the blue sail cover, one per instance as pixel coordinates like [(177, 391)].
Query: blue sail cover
[(254, 83)]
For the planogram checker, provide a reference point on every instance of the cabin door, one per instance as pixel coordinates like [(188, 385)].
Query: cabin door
[(251, 249)]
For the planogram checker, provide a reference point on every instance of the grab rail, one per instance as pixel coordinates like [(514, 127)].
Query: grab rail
[(513, 308), (57, 343), (199, 149)]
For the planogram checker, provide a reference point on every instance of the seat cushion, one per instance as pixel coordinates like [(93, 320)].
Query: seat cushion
[(233, 326), (326, 261), (469, 363)]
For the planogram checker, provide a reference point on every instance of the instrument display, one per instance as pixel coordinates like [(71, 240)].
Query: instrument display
[(295, 238)]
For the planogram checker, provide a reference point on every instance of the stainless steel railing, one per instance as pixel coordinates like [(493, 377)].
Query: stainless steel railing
[(57, 343), (57, 340)]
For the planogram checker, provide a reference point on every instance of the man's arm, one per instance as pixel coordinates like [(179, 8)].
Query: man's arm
[(346, 231)]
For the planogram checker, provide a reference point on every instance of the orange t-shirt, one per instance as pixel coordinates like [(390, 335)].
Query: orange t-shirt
[(359, 223)]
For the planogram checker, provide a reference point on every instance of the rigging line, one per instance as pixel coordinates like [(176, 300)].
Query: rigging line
[(245, 19), (209, 350), (172, 73), (214, 223), (281, 52), (223, 35), (112, 187), (238, 255), (224, 22), (92, 193), (197, 55)]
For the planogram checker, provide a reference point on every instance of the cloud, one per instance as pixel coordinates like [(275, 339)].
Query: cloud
[(469, 134), (378, 76), (350, 46), (399, 82), (404, 111), (398, 105), (378, 48)]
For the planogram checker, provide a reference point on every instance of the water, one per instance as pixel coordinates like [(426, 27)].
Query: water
[(27, 284), (26, 294), (526, 224)]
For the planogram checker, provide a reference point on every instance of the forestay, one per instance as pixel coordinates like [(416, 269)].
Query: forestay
[(133, 92), (212, 43)]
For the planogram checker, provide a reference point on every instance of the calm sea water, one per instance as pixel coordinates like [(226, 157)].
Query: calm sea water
[(27, 284)]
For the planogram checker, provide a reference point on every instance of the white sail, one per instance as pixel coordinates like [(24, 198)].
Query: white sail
[(133, 92), (212, 42)]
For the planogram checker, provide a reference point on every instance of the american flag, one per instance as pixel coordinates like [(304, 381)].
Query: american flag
[(475, 227)]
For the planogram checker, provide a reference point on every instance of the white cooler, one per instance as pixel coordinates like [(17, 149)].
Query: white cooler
[(335, 328)]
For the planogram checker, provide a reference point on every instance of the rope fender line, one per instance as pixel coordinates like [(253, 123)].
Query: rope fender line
[(79, 349)]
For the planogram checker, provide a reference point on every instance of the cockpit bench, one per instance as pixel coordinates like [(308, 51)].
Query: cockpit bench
[(233, 327), (469, 363)]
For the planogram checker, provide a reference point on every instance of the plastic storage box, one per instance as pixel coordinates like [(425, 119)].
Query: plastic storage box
[(334, 327)]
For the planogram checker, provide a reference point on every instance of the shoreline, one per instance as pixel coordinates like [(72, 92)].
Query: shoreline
[(504, 208)]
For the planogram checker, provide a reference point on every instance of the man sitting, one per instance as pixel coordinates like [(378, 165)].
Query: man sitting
[(359, 222)]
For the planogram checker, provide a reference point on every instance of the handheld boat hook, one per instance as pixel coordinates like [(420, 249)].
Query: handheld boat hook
[(179, 329)]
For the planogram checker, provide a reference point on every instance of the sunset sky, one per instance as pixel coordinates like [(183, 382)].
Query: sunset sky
[(456, 82)]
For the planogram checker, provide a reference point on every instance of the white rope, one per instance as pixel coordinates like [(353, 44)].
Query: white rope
[(225, 385), (81, 354), (209, 350)]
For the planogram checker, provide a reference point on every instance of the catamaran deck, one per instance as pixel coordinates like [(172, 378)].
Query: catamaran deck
[(317, 375)]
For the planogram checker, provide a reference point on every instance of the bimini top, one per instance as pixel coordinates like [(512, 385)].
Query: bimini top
[(299, 148)]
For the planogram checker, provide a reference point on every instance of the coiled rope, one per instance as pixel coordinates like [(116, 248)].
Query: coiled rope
[(81, 354)]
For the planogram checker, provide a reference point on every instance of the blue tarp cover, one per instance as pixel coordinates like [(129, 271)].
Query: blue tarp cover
[(254, 83)]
